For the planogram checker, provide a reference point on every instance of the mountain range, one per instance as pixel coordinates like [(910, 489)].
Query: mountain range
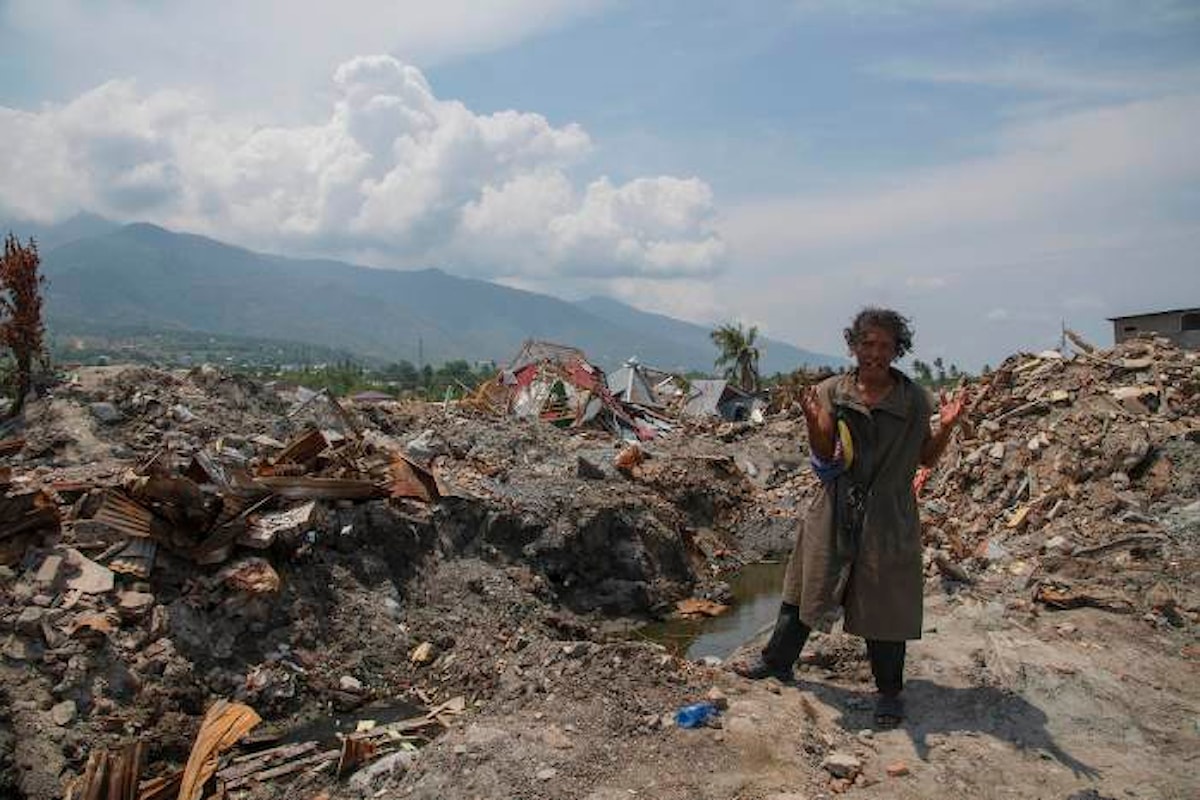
[(108, 277)]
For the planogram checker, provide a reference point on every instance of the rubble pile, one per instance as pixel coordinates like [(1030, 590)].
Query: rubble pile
[(1080, 481), (204, 582), (179, 537)]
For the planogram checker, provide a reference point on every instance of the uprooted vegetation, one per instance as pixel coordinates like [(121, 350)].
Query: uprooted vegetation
[(461, 580)]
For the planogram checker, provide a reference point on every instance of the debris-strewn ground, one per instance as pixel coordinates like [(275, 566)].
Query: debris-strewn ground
[(461, 583)]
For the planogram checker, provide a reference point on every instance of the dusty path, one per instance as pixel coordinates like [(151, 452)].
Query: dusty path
[(1000, 705)]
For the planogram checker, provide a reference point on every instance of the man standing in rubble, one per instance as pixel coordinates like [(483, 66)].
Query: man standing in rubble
[(859, 546)]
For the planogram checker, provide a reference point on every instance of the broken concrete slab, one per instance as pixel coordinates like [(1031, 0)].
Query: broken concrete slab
[(90, 577)]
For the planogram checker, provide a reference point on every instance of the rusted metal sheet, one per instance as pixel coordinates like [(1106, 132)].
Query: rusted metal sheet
[(124, 516), (304, 448), (27, 512), (110, 774), (304, 488), (179, 500), (223, 725), (137, 558), (409, 479), (204, 469), (164, 787)]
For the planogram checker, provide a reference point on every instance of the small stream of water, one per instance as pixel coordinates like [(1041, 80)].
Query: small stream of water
[(756, 602)]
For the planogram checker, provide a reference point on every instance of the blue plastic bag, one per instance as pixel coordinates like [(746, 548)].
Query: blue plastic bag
[(695, 715)]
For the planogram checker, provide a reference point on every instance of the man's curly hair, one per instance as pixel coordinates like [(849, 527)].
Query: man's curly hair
[(885, 319)]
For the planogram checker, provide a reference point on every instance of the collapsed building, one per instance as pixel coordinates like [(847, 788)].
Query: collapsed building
[(197, 571)]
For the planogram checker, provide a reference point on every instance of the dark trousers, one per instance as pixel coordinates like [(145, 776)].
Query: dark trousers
[(790, 634)]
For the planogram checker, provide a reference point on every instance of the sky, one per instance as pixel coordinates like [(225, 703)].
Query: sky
[(994, 169)]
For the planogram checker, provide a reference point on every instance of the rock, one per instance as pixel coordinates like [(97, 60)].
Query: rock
[(349, 683), (712, 661), (556, 737), (842, 765), (897, 769), (29, 622), (92, 578), (134, 605), (547, 773), (576, 649), (63, 713), (1059, 544), (996, 452), (717, 698), (990, 552), (19, 649), (422, 653), (181, 413), (425, 447), (48, 572), (381, 770), (1120, 481), (1160, 597), (106, 413), (588, 470)]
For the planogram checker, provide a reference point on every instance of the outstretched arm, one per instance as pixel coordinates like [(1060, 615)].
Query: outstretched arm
[(950, 410), (821, 434)]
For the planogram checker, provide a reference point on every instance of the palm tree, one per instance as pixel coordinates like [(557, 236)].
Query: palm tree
[(739, 355)]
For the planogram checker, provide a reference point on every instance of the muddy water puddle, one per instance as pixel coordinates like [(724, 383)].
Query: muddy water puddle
[(755, 590)]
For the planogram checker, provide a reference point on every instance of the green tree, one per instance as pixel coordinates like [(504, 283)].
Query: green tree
[(923, 372), (403, 374), (739, 354)]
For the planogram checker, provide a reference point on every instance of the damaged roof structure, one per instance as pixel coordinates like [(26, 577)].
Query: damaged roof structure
[(720, 398), (557, 384)]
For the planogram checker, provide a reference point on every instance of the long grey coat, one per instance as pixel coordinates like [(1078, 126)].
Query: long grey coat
[(871, 569)]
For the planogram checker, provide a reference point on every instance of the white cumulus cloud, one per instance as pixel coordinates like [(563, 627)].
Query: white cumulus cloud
[(393, 172)]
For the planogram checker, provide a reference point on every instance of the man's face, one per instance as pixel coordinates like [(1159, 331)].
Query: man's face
[(876, 350)]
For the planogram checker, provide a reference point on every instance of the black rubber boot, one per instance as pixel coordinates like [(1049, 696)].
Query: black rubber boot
[(781, 652), (887, 665)]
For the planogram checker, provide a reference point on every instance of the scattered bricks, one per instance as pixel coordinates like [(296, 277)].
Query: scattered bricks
[(897, 769)]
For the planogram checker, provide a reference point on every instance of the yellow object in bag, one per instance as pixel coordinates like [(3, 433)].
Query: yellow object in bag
[(847, 443)]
